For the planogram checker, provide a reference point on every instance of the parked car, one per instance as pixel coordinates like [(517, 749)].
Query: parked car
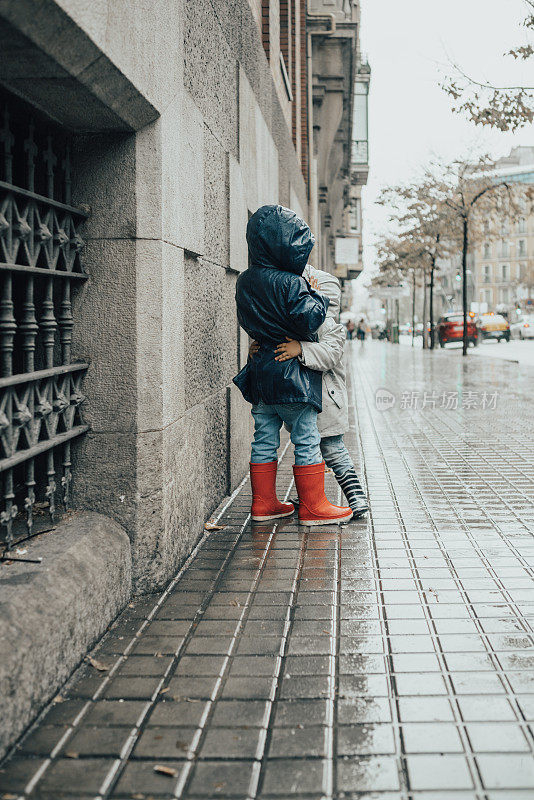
[(450, 328), (494, 326), (523, 328)]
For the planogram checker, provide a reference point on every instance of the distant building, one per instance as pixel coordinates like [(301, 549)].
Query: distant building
[(504, 267), (448, 286)]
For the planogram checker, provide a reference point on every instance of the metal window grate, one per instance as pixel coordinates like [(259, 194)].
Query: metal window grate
[(40, 267)]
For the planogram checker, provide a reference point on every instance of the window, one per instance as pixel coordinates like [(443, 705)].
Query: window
[(285, 32), (522, 225), (355, 215), (40, 396), (360, 145), (486, 273), (487, 250), (486, 296), (504, 295), (505, 272), (504, 249), (522, 247), (286, 49)]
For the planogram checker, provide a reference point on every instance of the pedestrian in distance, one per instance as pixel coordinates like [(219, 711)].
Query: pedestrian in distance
[(276, 304), (326, 356), (350, 329), (361, 330)]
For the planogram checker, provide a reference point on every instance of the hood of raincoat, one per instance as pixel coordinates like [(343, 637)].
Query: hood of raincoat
[(273, 302), (278, 238), (329, 286)]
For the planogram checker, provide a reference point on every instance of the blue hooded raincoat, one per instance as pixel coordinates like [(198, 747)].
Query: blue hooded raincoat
[(274, 301)]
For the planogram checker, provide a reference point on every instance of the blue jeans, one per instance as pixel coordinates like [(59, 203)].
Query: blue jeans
[(301, 418), (336, 455)]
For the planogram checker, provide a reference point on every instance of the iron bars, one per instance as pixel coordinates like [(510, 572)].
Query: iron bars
[(40, 267)]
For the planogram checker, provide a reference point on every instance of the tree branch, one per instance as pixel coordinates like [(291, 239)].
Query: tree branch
[(489, 85)]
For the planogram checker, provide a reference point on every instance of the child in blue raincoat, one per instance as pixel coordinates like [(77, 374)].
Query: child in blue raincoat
[(275, 303)]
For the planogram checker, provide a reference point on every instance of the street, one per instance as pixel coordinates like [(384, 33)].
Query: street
[(514, 350), (392, 656)]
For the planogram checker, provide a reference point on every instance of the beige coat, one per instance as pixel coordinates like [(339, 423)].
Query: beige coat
[(326, 356)]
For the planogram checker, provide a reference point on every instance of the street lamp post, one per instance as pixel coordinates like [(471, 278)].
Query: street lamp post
[(464, 282), (431, 309)]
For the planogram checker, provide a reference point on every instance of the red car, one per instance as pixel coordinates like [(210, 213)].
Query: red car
[(450, 328)]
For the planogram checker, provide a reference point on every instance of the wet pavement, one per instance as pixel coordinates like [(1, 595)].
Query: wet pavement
[(390, 658)]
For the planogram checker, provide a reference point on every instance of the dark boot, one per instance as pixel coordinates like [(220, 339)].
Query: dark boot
[(353, 491)]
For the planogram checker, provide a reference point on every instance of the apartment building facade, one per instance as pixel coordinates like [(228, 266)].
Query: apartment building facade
[(504, 264), (338, 135)]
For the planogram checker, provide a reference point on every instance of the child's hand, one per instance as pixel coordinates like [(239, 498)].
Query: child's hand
[(289, 349), (253, 349), (314, 283)]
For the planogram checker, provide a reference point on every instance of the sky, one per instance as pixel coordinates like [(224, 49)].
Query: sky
[(410, 46)]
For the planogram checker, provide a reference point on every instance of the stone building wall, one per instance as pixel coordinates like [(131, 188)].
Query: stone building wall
[(186, 137)]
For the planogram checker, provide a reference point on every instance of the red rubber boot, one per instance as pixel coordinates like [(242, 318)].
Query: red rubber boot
[(265, 504), (314, 507)]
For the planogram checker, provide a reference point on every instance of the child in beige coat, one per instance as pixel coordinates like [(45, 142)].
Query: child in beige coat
[(326, 356)]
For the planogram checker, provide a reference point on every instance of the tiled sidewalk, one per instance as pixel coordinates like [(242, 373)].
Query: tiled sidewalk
[(390, 658)]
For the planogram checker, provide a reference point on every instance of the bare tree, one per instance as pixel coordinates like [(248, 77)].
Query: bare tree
[(503, 107), (400, 258), (478, 201), (449, 210), (428, 222)]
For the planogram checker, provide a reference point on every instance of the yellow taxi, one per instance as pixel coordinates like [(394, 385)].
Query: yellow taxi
[(494, 326)]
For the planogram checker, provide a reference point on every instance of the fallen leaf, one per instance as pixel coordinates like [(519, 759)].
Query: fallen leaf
[(94, 662), (181, 745), (58, 699), (235, 603), (212, 526), (164, 690), (219, 785), (138, 797), (71, 754), (9, 796), (162, 770)]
